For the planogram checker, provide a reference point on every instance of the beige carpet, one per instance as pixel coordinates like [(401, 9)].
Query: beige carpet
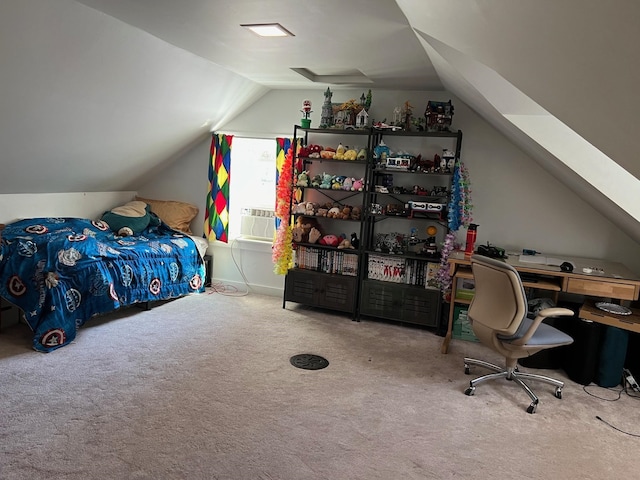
[(202, 388)]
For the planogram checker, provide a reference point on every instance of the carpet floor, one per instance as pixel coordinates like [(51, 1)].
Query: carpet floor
[(203, 388)]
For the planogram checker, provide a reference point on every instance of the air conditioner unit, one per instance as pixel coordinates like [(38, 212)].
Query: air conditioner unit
[(257, 223)]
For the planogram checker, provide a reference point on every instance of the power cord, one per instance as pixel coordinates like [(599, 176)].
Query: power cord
[(619, 392), (224, 289), (230, 290), (235, 262), (624, 389), (616, 428)]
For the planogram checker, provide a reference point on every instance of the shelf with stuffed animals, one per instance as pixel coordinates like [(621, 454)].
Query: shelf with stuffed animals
[(373, 213), (329, 188)]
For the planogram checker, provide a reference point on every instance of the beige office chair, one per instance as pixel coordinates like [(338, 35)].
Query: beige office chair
[(498, 316)]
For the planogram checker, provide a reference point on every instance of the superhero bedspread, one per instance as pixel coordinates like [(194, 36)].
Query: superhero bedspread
[(63, 271)]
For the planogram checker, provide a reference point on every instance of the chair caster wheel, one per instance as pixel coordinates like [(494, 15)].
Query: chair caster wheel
[(532, 408), (470, 391), (467, 370), (558, 392)]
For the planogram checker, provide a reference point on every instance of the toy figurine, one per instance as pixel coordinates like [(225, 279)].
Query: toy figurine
[(305, 122), (326, 120), (449, 159), (381, 151)]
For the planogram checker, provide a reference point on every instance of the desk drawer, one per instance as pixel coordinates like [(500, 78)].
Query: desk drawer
[(601, 288)]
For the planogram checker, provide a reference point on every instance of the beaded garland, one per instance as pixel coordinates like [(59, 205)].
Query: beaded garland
[(460, 209), (282, 254)]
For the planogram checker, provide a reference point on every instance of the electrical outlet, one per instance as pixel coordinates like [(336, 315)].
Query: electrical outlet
[(630, 380)]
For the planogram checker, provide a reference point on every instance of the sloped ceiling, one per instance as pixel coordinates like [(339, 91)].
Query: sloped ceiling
[(115, 88)]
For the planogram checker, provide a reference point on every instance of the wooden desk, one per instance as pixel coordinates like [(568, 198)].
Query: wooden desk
[(612, 280), (627, 322)]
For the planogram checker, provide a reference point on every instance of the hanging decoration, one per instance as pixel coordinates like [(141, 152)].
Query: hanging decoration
[(460, 209), (216, 225), (282, 146), (282, 254)]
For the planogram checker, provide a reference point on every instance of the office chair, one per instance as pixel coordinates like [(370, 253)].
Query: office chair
[(498, 315)]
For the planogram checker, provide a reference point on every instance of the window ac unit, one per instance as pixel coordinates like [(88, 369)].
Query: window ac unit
[(257, 224)]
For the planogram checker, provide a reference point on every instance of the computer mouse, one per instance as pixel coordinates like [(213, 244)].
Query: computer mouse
[(567, 266)]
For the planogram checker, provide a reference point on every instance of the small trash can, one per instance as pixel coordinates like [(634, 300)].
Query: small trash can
[(612, 356)]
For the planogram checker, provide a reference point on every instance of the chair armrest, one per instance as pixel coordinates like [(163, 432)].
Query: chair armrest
[(555, 312), (542, 314)]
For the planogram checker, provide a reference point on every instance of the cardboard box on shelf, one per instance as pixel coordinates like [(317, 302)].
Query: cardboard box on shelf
[(465, 289)]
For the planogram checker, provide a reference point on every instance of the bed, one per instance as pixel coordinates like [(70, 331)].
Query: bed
[(63, 271)]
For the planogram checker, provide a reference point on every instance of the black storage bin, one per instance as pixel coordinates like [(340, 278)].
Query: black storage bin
[(548, 358), (632, 361), (612, 356), (580, 359)]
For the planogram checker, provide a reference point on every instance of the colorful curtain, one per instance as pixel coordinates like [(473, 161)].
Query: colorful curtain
[(216, 224)]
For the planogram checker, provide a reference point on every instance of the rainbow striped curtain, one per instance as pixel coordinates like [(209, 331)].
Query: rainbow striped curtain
[(216, 223)]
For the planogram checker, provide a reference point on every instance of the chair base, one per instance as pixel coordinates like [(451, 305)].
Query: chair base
[(510, 374)]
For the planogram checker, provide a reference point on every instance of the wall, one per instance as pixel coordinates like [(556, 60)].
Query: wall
[(517, 204), (80, 204), (185, 180)]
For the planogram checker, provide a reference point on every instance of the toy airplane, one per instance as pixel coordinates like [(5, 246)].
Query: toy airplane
[(384, 126)]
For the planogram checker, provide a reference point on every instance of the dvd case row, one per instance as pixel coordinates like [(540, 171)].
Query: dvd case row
[(340, 262), (409, 271)]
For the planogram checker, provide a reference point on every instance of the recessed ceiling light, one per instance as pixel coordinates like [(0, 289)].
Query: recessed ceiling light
[(268, 29)]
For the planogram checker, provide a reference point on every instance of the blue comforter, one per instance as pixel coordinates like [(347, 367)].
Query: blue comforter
[(63, 271)]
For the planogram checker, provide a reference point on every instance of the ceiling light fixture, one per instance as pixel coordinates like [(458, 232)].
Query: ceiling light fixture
[(268, 29)]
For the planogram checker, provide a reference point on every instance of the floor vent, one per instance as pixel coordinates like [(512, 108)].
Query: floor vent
[(308, 361)]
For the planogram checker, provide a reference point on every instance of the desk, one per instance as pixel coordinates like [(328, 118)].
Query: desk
[(627, 322), (614, 281)]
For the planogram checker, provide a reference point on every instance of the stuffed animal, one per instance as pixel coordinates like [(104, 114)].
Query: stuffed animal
[(337, 182), (328, 153), (326, 181), (303, 152), (340, 152), (330, 240), (347, 184), (314, 151), (333, 212), (350, 154), (303, 179), (302, 230), (316, 180), (299, 208), (358, 185), (131, 218), (314, 235), (310, 208), (345, 213), (345, 243)]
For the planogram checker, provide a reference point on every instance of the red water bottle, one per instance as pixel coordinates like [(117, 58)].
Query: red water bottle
[(472, 232)]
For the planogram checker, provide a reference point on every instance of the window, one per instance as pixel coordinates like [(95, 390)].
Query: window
[(253, 179)]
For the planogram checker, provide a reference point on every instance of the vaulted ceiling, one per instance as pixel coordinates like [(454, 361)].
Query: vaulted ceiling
[(145, 79)]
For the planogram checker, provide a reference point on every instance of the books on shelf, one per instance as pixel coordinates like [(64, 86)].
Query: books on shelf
[(410, 271), (340, 262)]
